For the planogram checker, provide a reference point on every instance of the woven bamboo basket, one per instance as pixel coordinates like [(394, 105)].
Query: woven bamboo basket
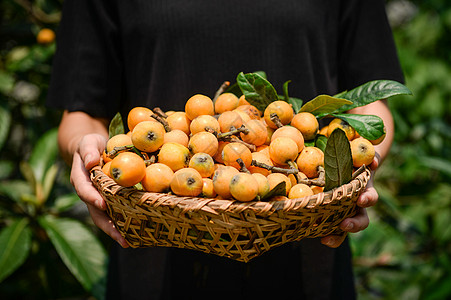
[(233, 229)]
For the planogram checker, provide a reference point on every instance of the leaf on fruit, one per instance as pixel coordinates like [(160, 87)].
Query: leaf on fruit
[(372, 91), (16, 243), (324, 105), (257, 90), (368, 126), (116, 126), (296, 103), (278, 190), (321, 142), (337, 160)]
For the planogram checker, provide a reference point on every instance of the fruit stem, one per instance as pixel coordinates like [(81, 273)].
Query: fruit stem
[(160, 112), (150, 160), (162, 121), (320, 181), (273, 168), (117, 150), (358, 172), (242, 166), (229, 136), (221, 90), (276, 120)]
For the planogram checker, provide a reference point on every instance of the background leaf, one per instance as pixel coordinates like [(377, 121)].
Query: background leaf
[(337, 160), (257, 90), (373, 91), (79, 249), (323, 105), (15, 243), (44, 154), (368, 126), (5, 124)]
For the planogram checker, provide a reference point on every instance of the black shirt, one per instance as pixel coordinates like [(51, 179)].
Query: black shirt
[(115, 55)]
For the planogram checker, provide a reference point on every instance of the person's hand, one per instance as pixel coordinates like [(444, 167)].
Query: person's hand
[(360, 221), (85, 157)]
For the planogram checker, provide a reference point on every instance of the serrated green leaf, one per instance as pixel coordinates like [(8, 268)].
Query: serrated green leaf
[(324, 104), (257, 90), (337, 160), (116, 125), (79, 249), (44, 154), (279, 190), (372, 91), (5, 124), (368, 126), (15, 241)]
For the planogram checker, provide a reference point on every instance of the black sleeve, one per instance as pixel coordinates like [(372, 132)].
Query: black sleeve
[(87, 68), (366, 46)]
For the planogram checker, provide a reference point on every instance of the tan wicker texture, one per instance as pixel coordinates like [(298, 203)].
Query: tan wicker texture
[(237, 230)]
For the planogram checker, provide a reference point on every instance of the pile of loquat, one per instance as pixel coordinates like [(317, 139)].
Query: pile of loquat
[(225, 148)]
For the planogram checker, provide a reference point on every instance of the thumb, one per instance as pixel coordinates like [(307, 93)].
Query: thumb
[(90, 148)]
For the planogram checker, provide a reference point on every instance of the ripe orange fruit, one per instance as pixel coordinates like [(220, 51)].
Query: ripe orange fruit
[(290, 132), (148, 136), (199, 105), (324, 130), (218, 156), (282, 150), (309, 160), (362, 151), (202, 122), (208, 189), (257, 133), (283, 110), (203, 163), (307, 124), (263, 184), (179, 120), (261, 158), (343, 125), (226, 102), (229, 119), (45, 36), (275, 178), (221, 180), (106, 168), (174, 155), (158, 178), (204, 142), (176, 136), (187, 182), (233, 151), (242, 101), (119, 140), (127, 169), (300, 190), (243, 187), (250, 110), (137, 115)]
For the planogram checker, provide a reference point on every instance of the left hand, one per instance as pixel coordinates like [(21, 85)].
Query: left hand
[(360, 221)]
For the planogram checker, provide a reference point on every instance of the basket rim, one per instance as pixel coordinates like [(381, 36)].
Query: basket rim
[(107, 185)]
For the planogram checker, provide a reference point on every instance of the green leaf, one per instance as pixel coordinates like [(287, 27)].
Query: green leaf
[(6, 82), (15, 241), (296, 103), (44, 154), (63, 203), (49, 181), (257, 90), (15, 189), (436, 163), (368, 126), (373, 91), (5, 124), (6, 168), (116, 125), (285, 90), (324, 105), (278, 190), (79, 249), (321, 142), (337, 160)]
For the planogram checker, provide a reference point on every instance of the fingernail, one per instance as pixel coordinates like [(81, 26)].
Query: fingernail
[(363, 201), (349, 226), (87, 159), (330, 241)]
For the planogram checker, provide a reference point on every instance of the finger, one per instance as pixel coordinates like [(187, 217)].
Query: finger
[(357, 223), (369, 196), (81, 181), (101, 220), (333, 241), (376, 161), (90, 149)]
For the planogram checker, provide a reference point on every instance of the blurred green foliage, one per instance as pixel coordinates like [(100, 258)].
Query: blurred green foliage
[(404, 254)]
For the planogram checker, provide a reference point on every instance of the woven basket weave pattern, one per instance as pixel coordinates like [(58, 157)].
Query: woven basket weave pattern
[(237, 230)]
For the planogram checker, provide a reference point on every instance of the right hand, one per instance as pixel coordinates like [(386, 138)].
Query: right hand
[(86, 156)]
